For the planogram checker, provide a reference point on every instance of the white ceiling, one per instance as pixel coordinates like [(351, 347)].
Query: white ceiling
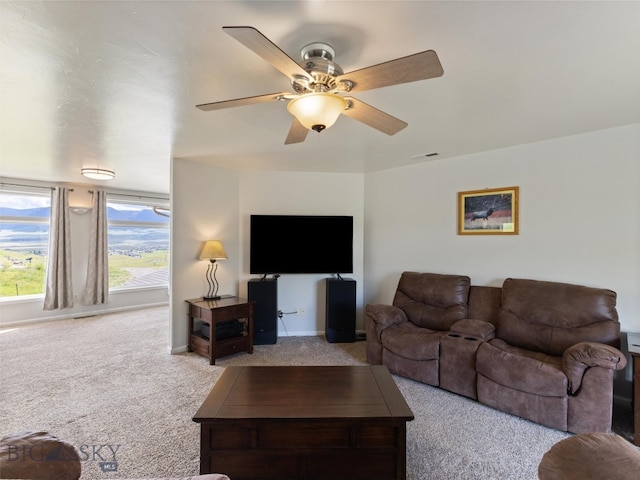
[(115, 84)]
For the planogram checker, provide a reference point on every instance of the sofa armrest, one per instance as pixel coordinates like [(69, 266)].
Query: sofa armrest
[(384, 316), (469, 327), (581, 356)]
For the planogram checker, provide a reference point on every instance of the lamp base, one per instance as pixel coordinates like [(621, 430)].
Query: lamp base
[(217, 297)]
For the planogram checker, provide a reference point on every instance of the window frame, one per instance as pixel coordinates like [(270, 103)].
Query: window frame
[(145, 202), (28, 191)]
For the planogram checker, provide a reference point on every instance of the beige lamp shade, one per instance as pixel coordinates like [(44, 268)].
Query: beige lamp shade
[(317, 111), (213, 250)]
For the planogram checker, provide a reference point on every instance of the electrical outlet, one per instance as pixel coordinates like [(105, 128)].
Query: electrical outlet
[(300, 311)]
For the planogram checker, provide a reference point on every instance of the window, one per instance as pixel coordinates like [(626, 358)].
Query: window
[(138, 237), (24, 237)]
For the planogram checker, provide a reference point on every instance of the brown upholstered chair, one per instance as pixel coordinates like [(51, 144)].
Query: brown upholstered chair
[(591, 456), (38, 455), (41, 456)]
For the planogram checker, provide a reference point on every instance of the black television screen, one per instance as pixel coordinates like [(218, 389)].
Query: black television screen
[(280, 244)]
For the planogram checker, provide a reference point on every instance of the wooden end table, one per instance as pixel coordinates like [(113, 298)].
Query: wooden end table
[(213, 312), (302, 422)]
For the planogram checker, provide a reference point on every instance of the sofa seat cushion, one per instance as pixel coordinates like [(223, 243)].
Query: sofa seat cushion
[(522, 370), (409, 341)]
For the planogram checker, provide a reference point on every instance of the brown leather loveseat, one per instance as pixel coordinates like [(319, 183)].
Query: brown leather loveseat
[(544, 351)]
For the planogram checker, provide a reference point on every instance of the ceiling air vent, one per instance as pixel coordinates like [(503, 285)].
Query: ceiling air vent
[(420, 155)]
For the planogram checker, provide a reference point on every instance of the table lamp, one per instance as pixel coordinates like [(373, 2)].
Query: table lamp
[(212, 251)]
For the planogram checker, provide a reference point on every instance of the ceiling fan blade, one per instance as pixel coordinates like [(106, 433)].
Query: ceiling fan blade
[(297, 133), (265, 48), (373, 117), (419, 66), (239, 102)]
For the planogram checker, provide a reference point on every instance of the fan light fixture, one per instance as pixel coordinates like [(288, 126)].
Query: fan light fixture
[(317, 111), (98, 173), (212, 251), (319, 83)]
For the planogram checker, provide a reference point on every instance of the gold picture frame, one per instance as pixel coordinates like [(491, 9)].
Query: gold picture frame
[(492, 211)]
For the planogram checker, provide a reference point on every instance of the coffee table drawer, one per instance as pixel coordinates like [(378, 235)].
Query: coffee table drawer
[(308, 434), (243, 465), (319, 464), (283, 436), (228, 437), (382, 436), (351, 464), (280, 436)]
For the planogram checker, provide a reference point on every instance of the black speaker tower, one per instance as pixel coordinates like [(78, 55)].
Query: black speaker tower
[(340, 325), (264, 292)]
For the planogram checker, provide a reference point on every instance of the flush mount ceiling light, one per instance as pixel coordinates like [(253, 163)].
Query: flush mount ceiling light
[(98, 173)]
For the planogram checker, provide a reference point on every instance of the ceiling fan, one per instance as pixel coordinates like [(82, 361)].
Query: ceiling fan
[(319, 82)]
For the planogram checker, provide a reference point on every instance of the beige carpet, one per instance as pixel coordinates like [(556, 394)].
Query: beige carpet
[(107, 385)]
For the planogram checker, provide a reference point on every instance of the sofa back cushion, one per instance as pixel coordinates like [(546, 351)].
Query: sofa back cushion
[(484, 303), (432, 300), (549, 317)]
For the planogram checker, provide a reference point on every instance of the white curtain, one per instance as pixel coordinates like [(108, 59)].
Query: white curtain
[(96, 290), (59, 287)]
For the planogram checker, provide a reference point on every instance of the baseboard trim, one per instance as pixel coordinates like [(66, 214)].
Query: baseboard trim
[(316, 333), (102, 311), (174, 350)]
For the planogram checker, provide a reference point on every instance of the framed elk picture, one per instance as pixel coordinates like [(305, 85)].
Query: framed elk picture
[(493, 211)]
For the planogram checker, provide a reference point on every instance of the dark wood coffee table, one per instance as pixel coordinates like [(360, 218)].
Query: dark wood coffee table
[(330, 422)]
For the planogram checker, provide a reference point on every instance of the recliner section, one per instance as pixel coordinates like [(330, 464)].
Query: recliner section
[(544, 351)]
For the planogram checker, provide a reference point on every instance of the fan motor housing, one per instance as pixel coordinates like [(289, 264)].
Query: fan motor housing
[(317, 60)]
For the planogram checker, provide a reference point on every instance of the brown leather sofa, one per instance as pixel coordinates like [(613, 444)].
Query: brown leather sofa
[(544, 351)]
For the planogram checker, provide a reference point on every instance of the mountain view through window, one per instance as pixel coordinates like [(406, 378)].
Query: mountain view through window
[(138, 244)]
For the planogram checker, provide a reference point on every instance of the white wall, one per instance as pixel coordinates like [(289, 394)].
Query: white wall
[(579, 206), (216, 203), (295, 193), (28, 308), (204, 206), (579, 218)]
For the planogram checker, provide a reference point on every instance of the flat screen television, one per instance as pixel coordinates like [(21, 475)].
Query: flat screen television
[(282, 244)]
